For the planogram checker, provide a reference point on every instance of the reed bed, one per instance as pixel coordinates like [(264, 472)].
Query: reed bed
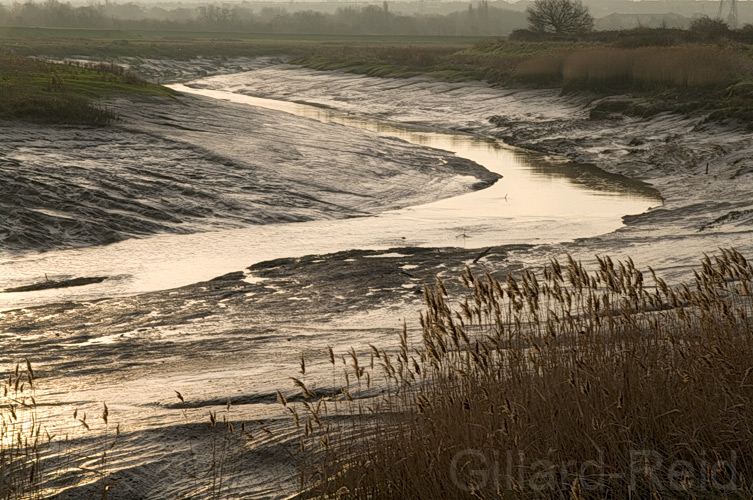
[(684, 67), (687, 68), (563, 383)]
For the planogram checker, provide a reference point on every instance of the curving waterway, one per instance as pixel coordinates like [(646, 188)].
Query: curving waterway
[(539, 199)]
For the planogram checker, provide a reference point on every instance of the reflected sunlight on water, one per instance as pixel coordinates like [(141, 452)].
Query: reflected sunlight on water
[(539, 199)]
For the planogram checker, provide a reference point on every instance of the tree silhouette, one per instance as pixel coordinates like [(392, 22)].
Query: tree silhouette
[(559, 16)]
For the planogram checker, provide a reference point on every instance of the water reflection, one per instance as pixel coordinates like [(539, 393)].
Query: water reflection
[(586, 175), (536, 164), (539, 199)]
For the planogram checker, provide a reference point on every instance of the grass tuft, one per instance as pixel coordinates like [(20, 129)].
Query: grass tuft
[(41, 91)]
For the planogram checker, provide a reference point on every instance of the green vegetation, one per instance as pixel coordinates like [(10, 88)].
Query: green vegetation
[(491, 60), (182, 45), (596, 65), (40, 91), (565, 383)]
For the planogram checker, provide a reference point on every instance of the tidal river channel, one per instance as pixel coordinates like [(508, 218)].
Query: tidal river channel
[(538, 199)]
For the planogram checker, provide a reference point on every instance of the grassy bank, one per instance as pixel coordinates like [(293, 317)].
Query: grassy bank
[(492, 61), (559, 384), (40, 91), (639, 61), (595, 66)]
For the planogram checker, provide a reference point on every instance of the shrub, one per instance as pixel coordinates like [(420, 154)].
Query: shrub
[(709, 29)]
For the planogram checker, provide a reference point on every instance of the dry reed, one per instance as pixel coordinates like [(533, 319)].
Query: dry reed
[(685, 67), (33, 463), (20, 436), (559, 384)]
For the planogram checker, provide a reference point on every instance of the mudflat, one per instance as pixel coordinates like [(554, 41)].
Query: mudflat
[(240, 336)]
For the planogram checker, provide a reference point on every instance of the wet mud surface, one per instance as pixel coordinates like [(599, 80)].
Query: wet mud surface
[(241, 335), (189, 165), (703, 170), (249, 306), (234, 338)]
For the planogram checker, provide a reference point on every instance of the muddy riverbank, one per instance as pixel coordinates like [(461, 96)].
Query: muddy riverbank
[(703, 170), (241, 335), (186, 165)]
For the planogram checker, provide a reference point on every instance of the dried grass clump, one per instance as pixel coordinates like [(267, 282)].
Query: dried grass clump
[(33, 465), (20, 436), (684, 66), (559, 384)]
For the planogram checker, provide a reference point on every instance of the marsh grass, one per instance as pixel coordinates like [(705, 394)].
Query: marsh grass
[(575, 65), (42, 91), (223, 441), (563, 383), (393, 60)]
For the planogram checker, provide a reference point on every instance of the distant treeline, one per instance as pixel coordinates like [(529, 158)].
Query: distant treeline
[(478, 19), (702, 29)]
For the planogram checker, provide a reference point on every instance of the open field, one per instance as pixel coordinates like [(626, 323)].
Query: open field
[(25, 33), (109, 44)]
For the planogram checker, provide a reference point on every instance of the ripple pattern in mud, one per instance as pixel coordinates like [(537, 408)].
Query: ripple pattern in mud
[(198, 166)]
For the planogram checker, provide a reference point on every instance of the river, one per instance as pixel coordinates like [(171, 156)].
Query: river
[(241, 337), (539, 199)]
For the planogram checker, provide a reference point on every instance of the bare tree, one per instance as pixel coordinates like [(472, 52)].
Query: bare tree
[(217, 15), (559, 16)]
